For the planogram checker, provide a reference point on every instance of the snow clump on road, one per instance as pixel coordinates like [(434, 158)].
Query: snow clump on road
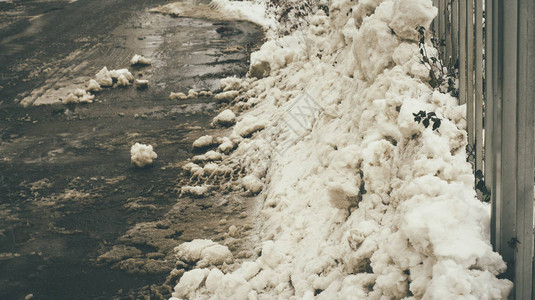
[(357, 200), (142, 155), (140, 60)]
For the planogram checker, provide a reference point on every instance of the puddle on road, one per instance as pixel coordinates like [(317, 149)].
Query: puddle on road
[(77, 220)]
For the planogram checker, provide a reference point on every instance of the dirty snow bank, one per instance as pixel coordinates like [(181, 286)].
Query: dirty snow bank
[(359, 201)]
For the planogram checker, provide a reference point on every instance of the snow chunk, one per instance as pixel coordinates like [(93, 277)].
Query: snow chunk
[(252, 184), (230, 83), (249, 125), (226, 96), (192, 93), (203, 142), (196, 191), (122, 72), (225, 118), (140, 60), (409, 15), (189, 282), (178, 96), (93, 86), (226, 146), (204, 253), (193, 169), (103, 77), (79, 96), (142, 155), (122, 80), (205, 94), (141, 83)]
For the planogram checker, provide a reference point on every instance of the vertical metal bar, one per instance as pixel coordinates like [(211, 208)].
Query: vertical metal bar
[(489, 109), (462, 54), (447, 32), (479, 84), (440, 32), (434, 23), (509, 137), (455, 31), (497, 61), (525, 139), (469, 15)]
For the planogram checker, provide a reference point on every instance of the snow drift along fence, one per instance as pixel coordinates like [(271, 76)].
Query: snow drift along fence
[(498, 88)]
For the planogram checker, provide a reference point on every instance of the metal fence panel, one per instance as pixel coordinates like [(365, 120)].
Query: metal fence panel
[(500, 101)]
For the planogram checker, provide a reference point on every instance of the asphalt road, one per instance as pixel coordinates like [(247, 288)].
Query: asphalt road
[(68, 192)]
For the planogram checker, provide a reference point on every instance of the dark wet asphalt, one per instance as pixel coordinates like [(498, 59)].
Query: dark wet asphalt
[(65, 174)]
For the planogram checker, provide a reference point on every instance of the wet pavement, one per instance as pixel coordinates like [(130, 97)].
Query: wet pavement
[(77, 220)]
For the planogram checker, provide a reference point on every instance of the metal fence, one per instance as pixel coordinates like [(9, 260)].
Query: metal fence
[(491, 44)]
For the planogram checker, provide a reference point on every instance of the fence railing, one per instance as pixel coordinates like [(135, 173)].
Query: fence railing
[(498, 87)]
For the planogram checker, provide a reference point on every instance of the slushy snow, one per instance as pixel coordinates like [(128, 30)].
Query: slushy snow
[(142, 155), (357, 200)]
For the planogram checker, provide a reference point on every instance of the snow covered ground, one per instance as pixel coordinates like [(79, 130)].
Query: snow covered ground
[(358, 201)]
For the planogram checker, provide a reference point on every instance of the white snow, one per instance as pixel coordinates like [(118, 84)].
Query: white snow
[(252, 184), (246, 10), (122, 80), (192, 93), (230, 84), (226, 96), (249, 125), (203, 141), (196, 191), (357, 200), (106, 77), (205, 94), (204, 253), (225, 118), (122, 72), (79, 96), (103, 77), (142, 155), (140, 60), (93, 86), (141, 83), (226, 146), (178, 96)]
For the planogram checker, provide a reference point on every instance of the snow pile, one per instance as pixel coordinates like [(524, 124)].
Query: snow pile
[(106, 78), (359, 201), (142, 155), (140, 60), (79, 96)]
